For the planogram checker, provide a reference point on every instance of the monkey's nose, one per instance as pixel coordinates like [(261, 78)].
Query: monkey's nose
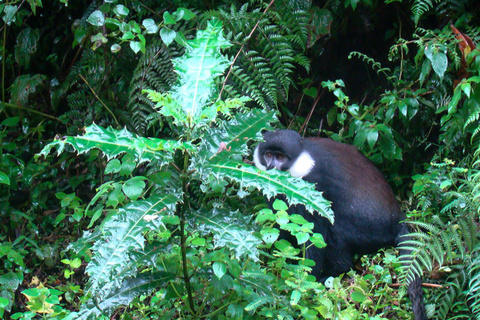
[(270, 164)]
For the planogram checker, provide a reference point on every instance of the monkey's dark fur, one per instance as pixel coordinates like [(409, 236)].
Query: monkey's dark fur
[(367, 215)]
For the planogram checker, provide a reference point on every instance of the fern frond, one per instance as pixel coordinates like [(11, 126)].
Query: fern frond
[(265, 67), (440, 242), (447, 298), (376, 66), (474, 284), (155, 72), (419, 8)]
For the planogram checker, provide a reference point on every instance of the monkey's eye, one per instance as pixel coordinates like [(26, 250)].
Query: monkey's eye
[(268, 154), (280, 157)]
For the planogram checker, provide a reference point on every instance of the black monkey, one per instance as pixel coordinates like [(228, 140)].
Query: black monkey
[(367, 215)]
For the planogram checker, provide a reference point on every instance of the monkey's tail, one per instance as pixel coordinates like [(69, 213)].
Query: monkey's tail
[(414, 291)]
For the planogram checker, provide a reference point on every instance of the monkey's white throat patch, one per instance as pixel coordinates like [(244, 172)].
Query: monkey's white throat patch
[(302, 166), (256, 160)]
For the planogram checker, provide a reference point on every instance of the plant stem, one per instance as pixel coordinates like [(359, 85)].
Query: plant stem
[(6, 104), (183, 237), (100, 100), (3, 61)]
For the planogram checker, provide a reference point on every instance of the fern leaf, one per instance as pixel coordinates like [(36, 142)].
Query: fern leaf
[(419, 8), (153, 72)]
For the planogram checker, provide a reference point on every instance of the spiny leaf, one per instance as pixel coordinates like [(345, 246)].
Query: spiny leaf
[(198, 67), (124, 232), (116, 142), (272, 183), (235, 133), (230, 229), (123, 295)]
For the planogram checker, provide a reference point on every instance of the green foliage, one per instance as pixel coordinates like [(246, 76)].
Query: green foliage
[(443, 8), (65, 68), (264, 63), (114, 18), (135, 237), (448, 243), (153, 72)]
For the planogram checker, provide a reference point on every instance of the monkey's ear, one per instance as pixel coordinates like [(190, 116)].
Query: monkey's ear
[(267, 134)]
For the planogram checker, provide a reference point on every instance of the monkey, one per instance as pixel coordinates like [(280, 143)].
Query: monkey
[(367, 214)]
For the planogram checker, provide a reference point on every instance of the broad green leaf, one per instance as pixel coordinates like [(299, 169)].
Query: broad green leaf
[(438, 59), (279, 205), (10, 122), (136, 46), (112, 24), (9, 15), (452, 106), (360, 137), (266, 215), (150, 26), (10, 280), (426, 68), (295, 297), (24, 86), (110, 264), (181, 39), (311, 92), (128, 36), (403, 108), (4, 179), (372, 137), (133, 188), (439, 63), (167, 35), (318, 241), (467, 88), (184, 14), (321, 23), (413, 106), (26, 46), (96, 18), (219, 269), (358, 295), (302, 237), (113, 166), (121, 10), (78, 36), (135, 27), (115, 48), (116, 142), (269, 235), (168, 19)]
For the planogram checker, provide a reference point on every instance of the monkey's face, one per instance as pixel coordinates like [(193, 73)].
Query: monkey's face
[(276, 159), (280, 150)]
